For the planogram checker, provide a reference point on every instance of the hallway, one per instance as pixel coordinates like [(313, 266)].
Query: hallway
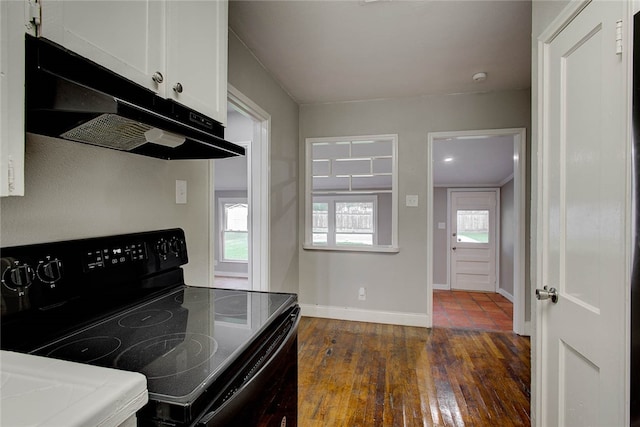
[(472, 310)]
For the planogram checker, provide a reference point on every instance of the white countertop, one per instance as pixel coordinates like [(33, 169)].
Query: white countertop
[(39, 391)]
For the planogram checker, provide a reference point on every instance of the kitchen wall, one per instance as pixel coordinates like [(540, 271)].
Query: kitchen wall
[(76, 190), (248, 76), (395, 283)]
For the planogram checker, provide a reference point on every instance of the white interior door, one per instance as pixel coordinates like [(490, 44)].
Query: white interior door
[(581, 338), (473, 240)]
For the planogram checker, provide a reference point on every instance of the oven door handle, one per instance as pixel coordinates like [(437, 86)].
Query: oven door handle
[(255, 384)]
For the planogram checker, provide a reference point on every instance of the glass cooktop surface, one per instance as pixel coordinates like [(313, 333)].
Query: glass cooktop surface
[(180, 341)]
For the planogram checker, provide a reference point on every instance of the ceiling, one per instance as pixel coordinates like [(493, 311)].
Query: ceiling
[(335, 51), (474, 161)]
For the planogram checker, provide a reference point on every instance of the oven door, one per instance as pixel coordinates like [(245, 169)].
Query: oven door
[(265, 391)]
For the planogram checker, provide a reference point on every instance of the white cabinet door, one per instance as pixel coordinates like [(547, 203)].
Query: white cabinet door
[(580, 339), (12, 29), (185, 41), (124, 36), (197, 56)]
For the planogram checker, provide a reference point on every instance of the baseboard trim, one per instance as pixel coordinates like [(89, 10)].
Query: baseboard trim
[(505, 294), (370, 316), (527, 329), (441, 287)]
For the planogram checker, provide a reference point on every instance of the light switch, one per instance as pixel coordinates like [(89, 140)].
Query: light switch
[(412, 201), (442, 226), (181, 192)]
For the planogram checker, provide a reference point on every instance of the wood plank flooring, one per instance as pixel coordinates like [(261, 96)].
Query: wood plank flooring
[(472, 310), (365, 374)]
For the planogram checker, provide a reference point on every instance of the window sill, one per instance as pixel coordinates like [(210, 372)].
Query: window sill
[(380, 249)]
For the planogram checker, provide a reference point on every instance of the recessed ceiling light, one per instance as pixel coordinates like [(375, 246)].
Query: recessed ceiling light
[(448, 159)]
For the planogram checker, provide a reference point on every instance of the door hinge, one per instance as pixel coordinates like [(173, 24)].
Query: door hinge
[(619, 36), (34, 16), (11, 176)]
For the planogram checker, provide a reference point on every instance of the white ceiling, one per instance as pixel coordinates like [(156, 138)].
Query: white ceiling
[(332, 51), (475, 161)]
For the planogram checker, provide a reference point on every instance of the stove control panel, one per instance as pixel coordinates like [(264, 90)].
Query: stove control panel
[(46, 275), (114, 255)]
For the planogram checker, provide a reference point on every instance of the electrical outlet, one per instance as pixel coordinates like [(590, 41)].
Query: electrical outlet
[(362, 294)]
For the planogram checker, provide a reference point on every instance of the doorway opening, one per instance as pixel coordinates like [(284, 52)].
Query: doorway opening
[(239, 208), (480, 293)]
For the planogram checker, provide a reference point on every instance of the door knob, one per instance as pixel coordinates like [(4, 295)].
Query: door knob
[(177, 87), (454, 248), (547, 293)]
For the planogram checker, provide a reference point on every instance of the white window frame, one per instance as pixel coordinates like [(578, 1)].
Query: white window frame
[(351, 196), (332, 230), (221, 214)]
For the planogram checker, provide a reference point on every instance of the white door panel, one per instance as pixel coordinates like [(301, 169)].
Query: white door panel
[(583, 170), (473, 240)]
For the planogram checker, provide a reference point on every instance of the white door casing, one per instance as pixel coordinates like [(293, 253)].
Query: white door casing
[(473, 262), (520, 289), (259, 186), (581, 340)]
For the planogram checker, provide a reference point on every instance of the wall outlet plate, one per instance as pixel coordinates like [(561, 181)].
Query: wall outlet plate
[(412, 200)]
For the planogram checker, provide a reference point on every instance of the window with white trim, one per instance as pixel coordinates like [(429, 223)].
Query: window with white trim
[(234, 241), (351, 200)]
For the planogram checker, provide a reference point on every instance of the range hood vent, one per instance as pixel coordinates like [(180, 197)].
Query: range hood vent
[(70, 97)]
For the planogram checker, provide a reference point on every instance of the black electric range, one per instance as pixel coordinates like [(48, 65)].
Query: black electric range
[(211, 356)]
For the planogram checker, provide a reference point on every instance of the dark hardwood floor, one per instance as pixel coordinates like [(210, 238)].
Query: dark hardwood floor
[(365, 374)]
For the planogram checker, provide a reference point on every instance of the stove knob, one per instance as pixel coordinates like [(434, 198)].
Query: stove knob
[(176, 246), (163, 248), (50, 271), (18, 276)]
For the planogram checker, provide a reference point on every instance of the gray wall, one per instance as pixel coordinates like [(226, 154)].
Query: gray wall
[(75, 191), (248, 76), (507, 218), (395, 282)]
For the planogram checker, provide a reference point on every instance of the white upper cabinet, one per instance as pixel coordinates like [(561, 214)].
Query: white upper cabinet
[(196, 56), (177, 48), (12, 28)]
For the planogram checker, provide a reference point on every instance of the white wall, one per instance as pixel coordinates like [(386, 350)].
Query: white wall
[(75, 191), (395, 282), (248, 76)]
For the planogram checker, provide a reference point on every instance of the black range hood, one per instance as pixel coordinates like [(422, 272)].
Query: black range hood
[(70, 97)]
